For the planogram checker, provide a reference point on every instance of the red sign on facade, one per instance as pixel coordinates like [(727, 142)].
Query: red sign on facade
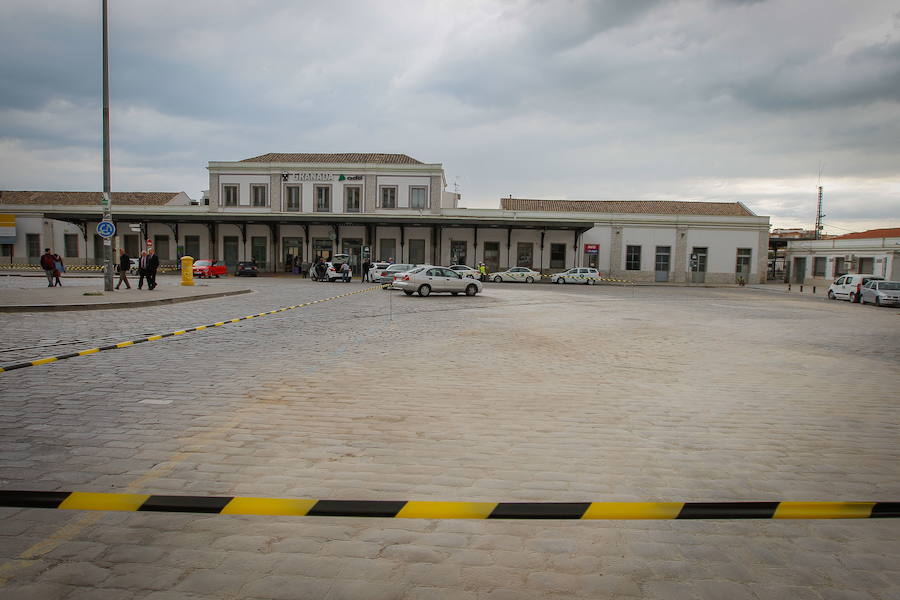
[(592, 248)]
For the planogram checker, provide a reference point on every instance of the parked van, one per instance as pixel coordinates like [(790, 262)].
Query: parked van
[(847, 287)]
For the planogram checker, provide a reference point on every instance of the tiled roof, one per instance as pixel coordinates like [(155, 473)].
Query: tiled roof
[(648, 207), (86, 198), (888, 232), (355, 158)]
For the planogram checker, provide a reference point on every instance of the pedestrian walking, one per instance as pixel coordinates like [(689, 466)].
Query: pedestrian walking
[(305, 269), (124, 265), (58, 268), (295, 268), (366, 266), (142, 269), (47, 266), (152, 266)]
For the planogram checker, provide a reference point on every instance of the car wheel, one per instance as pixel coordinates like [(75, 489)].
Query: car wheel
[(529, 280), (831, 295), (408, 292), (498, 279), (590, 282), (217, 276), (560, 280), (424, 290), (454, 293), (471, 290)]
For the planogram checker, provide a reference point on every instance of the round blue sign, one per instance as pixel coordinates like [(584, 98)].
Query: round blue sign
[(106, 229)]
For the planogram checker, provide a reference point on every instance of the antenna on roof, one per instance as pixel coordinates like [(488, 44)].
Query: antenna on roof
[(819, 214)]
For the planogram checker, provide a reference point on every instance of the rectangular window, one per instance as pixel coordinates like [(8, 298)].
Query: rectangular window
[(322, 247), (292, 203), (417, 251), (389, 196), (744, 256), (525, 254), (632, 258), (230, 195), (6, 249), (33, 245), (819, 266), (558, 256), (71, 241), (418, 197), (192, 246), (231, 249), (352, 195), (323, 198), (458, 252), (838, 266), (258, 195), (492, 255), (161, 245), (663, 254), (387, 249)]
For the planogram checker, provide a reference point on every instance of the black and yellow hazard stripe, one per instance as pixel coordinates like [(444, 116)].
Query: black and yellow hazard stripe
[(153, 338), (302, 507)]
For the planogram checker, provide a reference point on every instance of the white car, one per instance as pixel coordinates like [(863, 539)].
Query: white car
[(847, 287), (376, 269), (515, 274), (466, 271), (334, 273), (430, 279), (577, 275)]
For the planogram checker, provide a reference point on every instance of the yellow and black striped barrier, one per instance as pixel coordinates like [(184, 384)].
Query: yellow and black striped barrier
[(492, 277), (153, 338), (301, 507)]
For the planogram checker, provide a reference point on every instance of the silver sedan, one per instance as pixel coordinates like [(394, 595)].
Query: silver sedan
[(430, 278), (881, 293)]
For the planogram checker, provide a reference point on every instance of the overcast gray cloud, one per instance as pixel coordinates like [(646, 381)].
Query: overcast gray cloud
[(698, 100)]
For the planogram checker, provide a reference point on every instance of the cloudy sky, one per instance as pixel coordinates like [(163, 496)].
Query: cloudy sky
[(695, 100)]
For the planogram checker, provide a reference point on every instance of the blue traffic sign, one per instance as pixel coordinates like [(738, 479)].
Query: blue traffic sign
[(106, 229)]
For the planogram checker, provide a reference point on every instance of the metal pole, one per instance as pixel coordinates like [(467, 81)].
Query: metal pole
[(107, 198)]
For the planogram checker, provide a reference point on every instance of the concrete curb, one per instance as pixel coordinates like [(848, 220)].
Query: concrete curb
[(115, 305)]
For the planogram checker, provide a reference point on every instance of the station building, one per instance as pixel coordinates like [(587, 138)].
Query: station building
[(276, 207)]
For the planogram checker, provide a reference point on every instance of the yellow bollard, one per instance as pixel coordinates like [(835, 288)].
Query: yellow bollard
[(187, 270)]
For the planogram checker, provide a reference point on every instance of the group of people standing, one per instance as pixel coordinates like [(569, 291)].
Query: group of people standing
[(148, 264)]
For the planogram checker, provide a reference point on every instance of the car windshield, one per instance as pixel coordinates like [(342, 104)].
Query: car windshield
[(245, 264), (396, 268), (889, 285), (417, 270), (202, 263)]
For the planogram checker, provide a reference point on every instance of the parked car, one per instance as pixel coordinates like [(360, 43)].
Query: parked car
[(880, 292), (847, 287), (209, 268), (376, 269), (387, 275), (246, 268), (431, 279), (577, 275), (515, 274), (466, 271)]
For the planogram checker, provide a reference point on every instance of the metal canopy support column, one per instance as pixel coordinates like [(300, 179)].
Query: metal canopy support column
[(541, 266), (307, 242), (213, 231), (174, 228), (434, 245), (402, 242), (509, 264), (274, 231), (475, 247)]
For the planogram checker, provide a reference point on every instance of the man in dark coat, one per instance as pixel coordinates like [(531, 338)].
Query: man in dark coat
[(124, 266), (152, 266)]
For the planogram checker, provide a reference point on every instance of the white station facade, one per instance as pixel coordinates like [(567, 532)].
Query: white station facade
[(277, 207)]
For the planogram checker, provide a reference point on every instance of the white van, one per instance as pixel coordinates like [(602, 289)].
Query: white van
[(847, 287)]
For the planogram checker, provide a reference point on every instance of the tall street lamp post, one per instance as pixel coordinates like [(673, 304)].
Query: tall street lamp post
[(107, 198)]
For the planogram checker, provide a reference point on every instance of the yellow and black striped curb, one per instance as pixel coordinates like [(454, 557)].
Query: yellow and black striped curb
[(301, 507), (153, 338), (91, 268), (490, 278)]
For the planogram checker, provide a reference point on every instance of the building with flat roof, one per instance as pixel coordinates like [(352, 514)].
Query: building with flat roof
[(819, 262)]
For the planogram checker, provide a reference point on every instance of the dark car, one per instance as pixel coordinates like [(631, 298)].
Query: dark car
[(246, 268)]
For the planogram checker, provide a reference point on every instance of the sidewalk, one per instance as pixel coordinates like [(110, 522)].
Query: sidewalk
[(29, 295)]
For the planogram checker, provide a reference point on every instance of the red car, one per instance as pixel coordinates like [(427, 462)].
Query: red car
[(209, 268)]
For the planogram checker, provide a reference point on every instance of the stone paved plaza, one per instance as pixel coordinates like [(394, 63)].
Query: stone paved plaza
[(525, 393)]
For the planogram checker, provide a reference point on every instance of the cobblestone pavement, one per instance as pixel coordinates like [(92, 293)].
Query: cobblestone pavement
[(526, 393)]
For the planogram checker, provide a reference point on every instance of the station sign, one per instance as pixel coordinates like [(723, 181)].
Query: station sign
[(592, 248)]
